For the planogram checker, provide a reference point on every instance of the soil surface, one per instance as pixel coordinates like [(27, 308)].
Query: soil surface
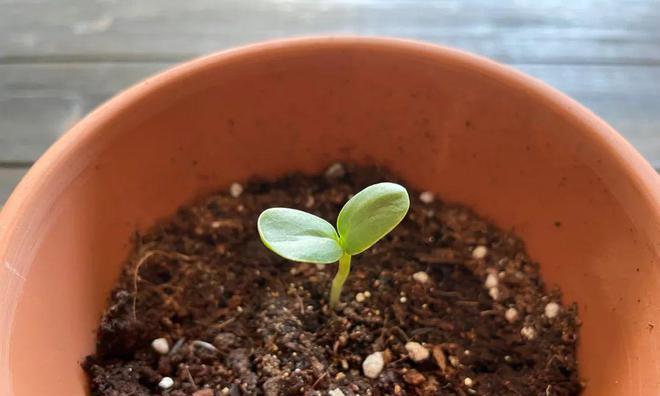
[(447, 303)]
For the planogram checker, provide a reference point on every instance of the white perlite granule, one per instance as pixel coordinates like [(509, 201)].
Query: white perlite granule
[(416, 351), (491, 281), (528, 332), (551, 310), (166, 383), (335, 171), (480, 252), (161, 346), (373, 365), (235, 190), (427, 197), (421, 277), (511, 315)]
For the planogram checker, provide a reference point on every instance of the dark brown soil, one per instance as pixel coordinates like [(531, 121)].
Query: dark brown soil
[(240, 320)]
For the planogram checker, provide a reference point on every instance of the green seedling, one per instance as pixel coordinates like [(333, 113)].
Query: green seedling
[(364, 220)]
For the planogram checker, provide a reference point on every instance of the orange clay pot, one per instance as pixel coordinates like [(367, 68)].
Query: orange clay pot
[(471, 130)]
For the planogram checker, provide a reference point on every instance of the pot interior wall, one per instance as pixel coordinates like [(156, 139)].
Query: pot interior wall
[(437, 119)]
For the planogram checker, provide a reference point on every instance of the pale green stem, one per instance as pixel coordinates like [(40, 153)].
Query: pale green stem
[(340, 278)]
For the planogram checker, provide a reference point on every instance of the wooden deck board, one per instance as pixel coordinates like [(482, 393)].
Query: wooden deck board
[(9, 178), (542, 31)]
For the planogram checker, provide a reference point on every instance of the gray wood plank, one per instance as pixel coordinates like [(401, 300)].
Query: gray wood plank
[(541, 31), (40, 101), (9, 178)]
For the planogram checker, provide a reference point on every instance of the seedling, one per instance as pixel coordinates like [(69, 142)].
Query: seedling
[(364, 220)]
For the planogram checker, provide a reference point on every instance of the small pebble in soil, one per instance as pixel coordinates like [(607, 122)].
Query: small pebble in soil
[(225, 391), (468, 382), (528, 332), (403, 300), (235, 190), (427, 197), (337, 392), (335, 171), (421, 277), (360, 297), (373, 365), (340, 376), (161, 345), (479, 252), (416, 351), (491, 281), (367, 294), (494, 293), (166, 383), (511, 315), (551, 310)]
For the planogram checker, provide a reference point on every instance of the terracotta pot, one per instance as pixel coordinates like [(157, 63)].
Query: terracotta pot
[(476, 132)]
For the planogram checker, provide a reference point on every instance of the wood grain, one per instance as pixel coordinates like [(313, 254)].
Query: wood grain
[(541, 31), (39, 102), (9, 178)]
